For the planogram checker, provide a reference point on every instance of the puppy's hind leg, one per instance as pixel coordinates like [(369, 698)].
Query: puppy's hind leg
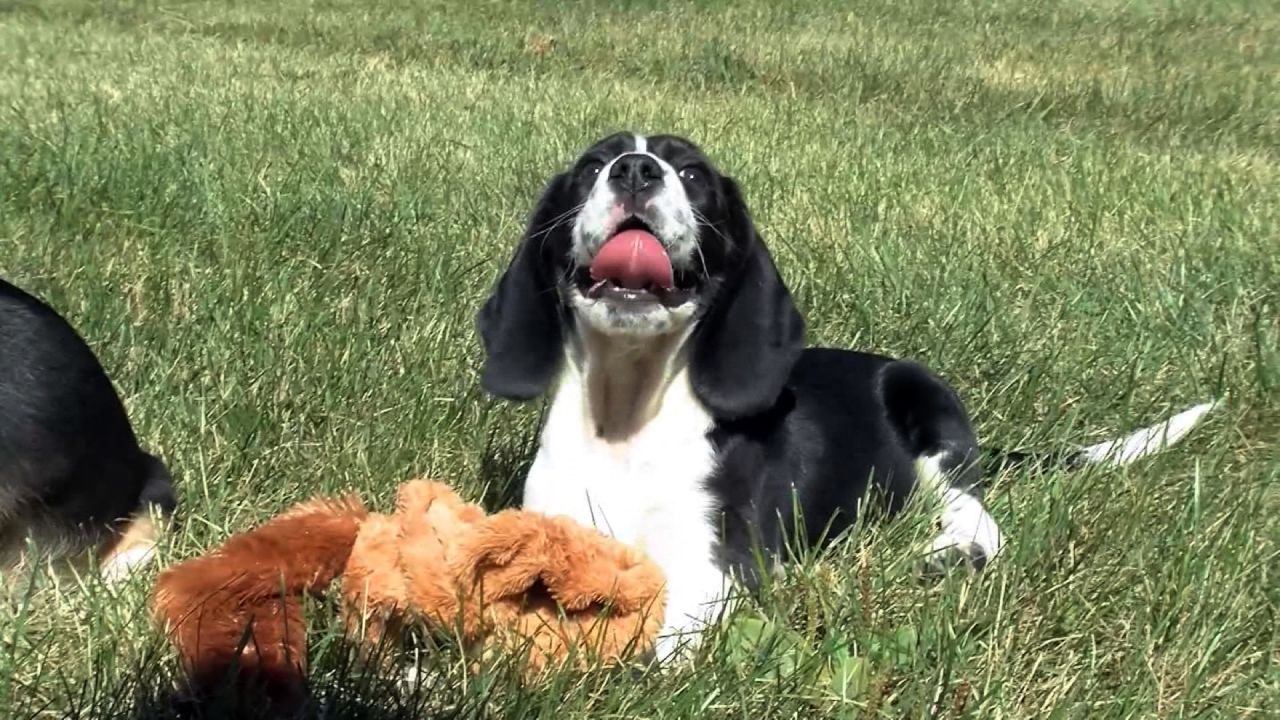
[(968, 534), (934, 428)]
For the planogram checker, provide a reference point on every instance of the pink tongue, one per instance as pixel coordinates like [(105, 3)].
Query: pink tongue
[(635, 260)]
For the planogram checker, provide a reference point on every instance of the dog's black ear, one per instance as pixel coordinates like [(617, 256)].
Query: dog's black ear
[(520, 323), (751, 334)]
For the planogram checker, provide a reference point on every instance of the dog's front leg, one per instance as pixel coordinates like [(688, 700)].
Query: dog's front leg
[(698, 596)]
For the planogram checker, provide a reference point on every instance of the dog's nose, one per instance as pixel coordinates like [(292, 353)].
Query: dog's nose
[(635, 172)]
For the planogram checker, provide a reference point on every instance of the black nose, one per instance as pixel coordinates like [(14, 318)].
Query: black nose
[(635, 172)]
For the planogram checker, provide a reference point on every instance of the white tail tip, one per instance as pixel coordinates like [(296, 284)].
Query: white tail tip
[(1147, 441)]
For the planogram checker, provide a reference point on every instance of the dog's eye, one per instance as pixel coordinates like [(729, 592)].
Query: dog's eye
[(691, 173), (590, 170)]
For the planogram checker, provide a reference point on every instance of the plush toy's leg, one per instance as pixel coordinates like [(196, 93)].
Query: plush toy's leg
[(246, 656), (239, 608)]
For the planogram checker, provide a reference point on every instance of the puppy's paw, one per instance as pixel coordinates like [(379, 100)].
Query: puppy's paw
[(969, 537), (950, 553), (122, 565), (131, 551), (675, 649)]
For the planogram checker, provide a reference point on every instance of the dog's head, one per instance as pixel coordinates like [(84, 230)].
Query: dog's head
[(643, 237)]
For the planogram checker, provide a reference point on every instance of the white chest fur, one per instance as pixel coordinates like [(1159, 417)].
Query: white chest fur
[(645, 486), (628, 489)]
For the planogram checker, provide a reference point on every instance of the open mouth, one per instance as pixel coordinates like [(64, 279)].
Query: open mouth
[(633, 267)]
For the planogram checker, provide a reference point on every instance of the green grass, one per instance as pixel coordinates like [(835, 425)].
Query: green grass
[(274, 223)]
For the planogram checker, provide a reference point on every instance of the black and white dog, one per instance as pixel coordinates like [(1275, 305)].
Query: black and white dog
[(688, 419), (72, 476)]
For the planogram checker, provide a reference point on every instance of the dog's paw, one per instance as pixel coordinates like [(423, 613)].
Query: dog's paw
[(950, 553), (122, 565), (969, 537), (133, 550), (675, 649)]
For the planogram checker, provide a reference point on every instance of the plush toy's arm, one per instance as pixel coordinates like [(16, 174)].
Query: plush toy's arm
[(399, 567), (550, 588)]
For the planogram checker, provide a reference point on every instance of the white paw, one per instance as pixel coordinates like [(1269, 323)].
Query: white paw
[(969, 534), (677, 647), (121, 565), (688, 619), (949, 551)]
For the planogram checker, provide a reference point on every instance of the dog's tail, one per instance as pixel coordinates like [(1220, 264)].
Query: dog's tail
[(1115, 453)]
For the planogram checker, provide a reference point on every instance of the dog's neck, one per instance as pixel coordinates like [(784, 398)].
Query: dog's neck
[(625, 378)]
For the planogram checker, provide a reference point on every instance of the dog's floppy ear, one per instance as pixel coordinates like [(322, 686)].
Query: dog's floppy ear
[(520, 322), (751, 333)]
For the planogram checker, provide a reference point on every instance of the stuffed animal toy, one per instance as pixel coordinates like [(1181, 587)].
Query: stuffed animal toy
[(545, 588)]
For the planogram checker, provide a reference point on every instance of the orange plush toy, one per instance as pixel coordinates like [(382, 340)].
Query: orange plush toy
[(514, 582)]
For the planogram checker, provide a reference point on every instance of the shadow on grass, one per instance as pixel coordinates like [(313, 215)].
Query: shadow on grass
[(341, 686), (346, 684), (504, 463)]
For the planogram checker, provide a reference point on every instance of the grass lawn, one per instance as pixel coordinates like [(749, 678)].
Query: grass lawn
[(275, 221)]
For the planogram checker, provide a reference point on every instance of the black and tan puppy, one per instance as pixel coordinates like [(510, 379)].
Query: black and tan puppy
[(73, 480)]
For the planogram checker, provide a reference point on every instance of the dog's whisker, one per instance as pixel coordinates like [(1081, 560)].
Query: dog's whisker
[(703, 221), (550, 224), (542, 234)]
